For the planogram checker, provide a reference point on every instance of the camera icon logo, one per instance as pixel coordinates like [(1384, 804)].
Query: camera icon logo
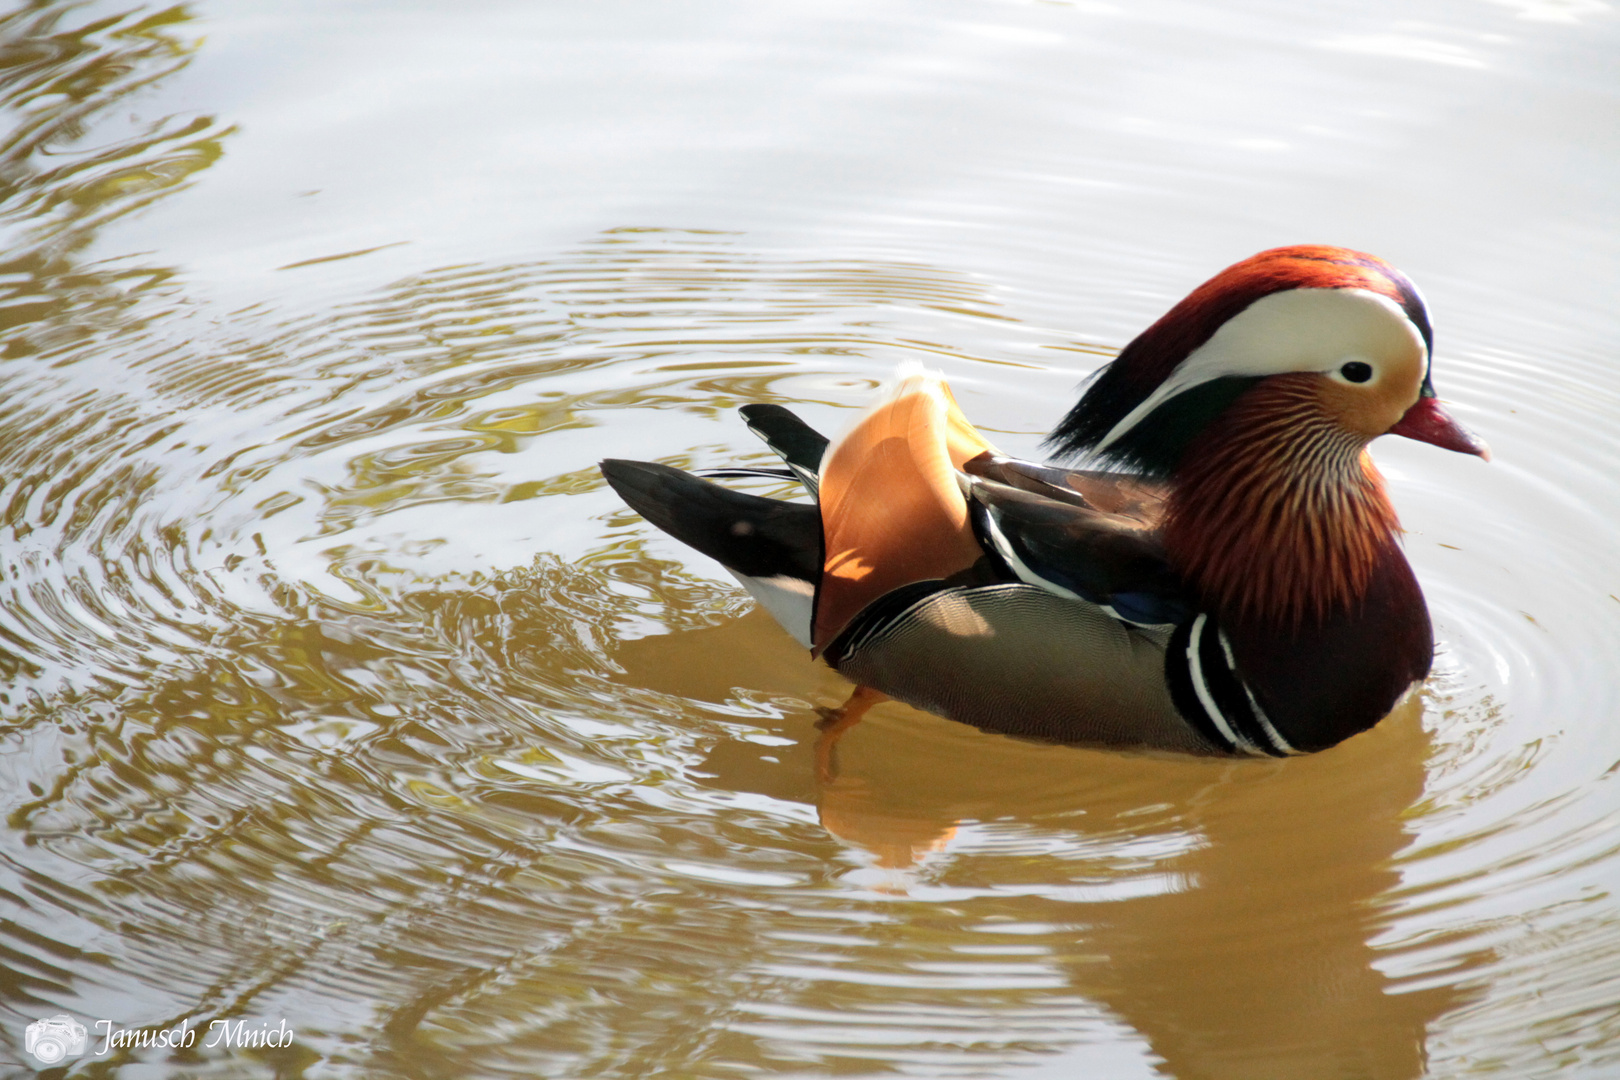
[(54, 1039)]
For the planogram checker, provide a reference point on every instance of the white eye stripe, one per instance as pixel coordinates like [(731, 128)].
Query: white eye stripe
[(1294, 330)]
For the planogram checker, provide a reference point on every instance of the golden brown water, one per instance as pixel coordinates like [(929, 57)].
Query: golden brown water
[(337, 689)]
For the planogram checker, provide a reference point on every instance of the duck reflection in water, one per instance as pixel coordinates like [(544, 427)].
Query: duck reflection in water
[(1237, 902)]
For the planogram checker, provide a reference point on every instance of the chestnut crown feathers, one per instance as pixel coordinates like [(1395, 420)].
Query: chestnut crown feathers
[(1290, 309)]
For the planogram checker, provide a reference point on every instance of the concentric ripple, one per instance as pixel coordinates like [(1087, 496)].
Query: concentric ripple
[(336, 687), (283, 657)]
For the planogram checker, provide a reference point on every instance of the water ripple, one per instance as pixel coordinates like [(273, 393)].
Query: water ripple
[(337, 687)]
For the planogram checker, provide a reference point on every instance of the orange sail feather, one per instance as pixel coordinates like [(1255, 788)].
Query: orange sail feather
[(891, 509)]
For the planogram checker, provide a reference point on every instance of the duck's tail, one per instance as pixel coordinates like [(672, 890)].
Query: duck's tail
[(772, 547)]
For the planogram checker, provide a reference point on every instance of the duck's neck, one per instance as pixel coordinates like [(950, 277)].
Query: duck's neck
[(1277, 515)]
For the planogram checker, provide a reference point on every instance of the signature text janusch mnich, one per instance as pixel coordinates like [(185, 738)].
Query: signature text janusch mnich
[(238, 1034)]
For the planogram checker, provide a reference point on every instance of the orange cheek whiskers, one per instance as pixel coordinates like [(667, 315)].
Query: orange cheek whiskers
[(1277, 514)]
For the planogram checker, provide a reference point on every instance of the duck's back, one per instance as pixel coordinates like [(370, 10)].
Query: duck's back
[(923, 597)]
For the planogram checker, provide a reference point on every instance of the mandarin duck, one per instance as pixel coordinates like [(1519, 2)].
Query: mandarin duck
[(1223, 578)]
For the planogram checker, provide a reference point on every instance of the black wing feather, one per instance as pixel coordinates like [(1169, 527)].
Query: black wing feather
[(794, 441), (1126, 494), (1108, 559)]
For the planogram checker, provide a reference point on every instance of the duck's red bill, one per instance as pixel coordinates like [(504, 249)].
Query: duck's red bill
[(1428, 422)]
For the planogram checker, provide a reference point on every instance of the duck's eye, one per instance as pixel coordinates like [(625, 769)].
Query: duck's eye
[(1356, 371)]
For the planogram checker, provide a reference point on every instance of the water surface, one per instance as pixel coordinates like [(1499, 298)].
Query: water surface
[(337, 688)]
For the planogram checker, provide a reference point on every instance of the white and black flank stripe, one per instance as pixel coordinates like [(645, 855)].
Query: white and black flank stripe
[(1211, 695)]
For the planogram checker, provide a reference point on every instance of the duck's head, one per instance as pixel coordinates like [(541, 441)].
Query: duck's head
[(1342, 337)]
